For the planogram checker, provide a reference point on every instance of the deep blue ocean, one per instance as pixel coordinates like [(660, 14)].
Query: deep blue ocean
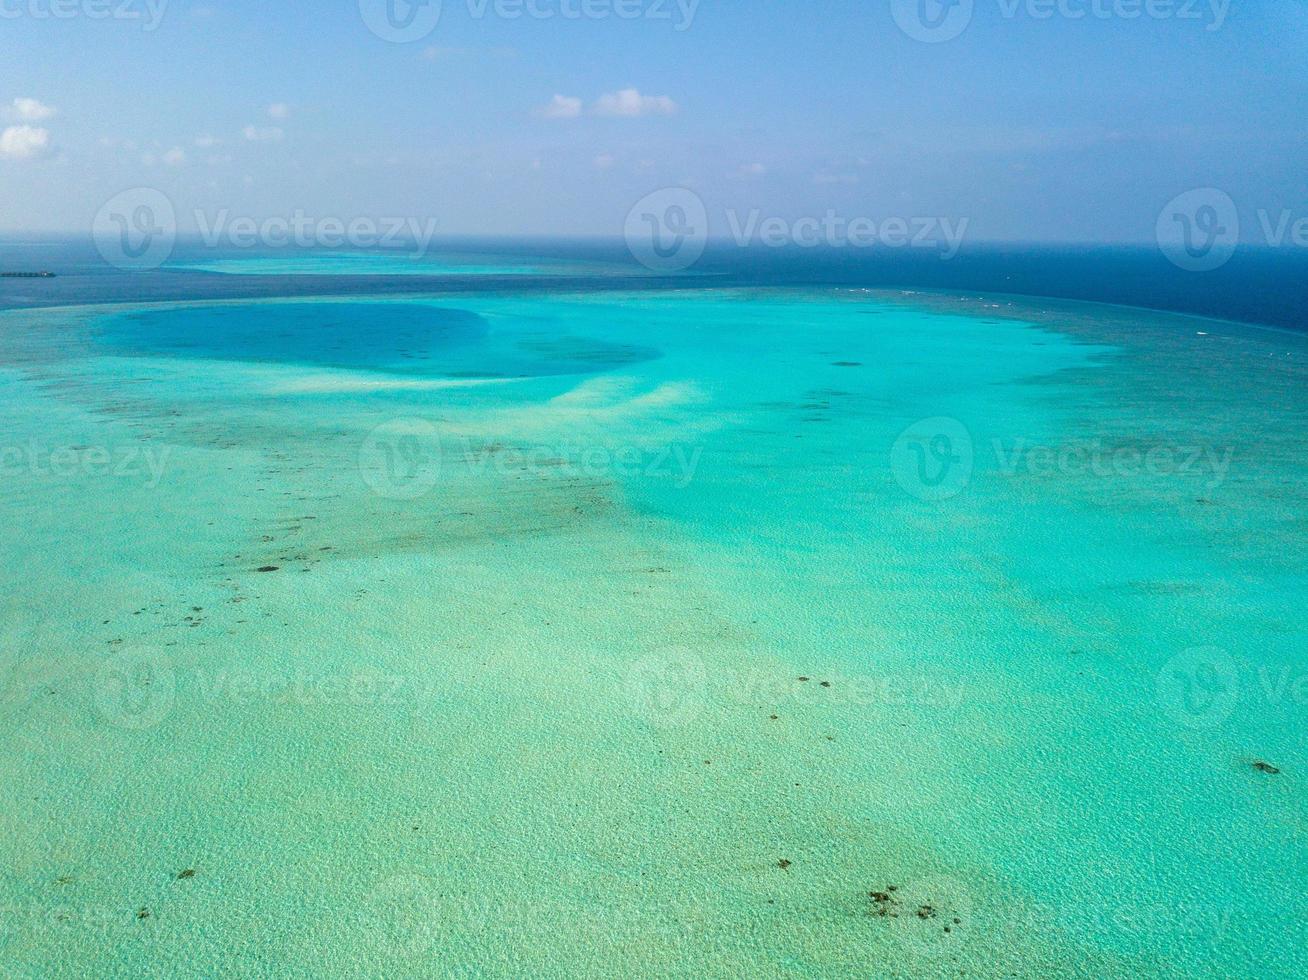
[(1259, 285)]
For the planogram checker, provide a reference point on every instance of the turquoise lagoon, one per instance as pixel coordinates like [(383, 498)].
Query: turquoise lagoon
[(713, 632)]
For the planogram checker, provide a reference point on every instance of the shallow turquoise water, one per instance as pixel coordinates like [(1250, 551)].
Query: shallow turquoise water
[(522, 695)]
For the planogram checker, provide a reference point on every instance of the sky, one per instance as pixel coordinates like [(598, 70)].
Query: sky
[(1042, 120)]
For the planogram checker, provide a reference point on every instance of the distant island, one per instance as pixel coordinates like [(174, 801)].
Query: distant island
[(27, 275)]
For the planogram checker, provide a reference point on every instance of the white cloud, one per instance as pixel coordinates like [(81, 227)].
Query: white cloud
[(31, 110), (561, 107), (604, 161), (630, 103), (175, 157), (752, 170), (24, 142), (206, 142), (279, 110), (270, 134), (627, 103)]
